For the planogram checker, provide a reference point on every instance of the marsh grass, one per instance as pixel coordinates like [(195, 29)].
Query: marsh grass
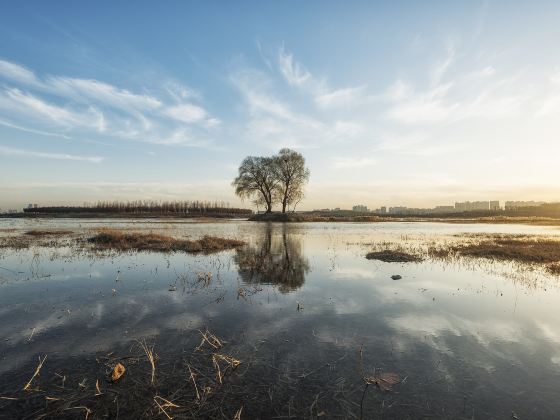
[(519, 248), (388, 255), (41, 233), (35, 237), (124, 241), (525, 251)]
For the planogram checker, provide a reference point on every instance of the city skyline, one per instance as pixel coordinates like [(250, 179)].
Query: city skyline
[(389, 103)]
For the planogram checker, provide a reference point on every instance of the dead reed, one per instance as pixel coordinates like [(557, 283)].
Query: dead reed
[(38, 232), (388, 255), (27, 386), (151, 358), (123, 241)]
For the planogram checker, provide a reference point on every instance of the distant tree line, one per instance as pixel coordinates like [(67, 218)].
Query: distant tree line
[(147, 207), (269, 180)]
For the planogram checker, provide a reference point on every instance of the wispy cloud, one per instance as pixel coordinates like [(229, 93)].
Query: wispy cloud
[(275, 123), (31, 130), (88, 90), (469, 95), (9, 151), (15, 72), (186, 112), (23, 103), (86, 107), (324, 96), (353, 162), (339, 97), (294, 73), (443, 65)]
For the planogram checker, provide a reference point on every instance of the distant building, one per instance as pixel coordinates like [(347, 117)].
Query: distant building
[(383, 210), (473, 206), (514, 205), (360, 208), (444, 209), (495, 205)]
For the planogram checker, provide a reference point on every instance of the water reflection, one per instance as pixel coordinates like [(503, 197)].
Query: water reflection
[(276, 258), (467, 343)]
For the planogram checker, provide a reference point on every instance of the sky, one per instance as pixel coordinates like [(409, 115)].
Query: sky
[(391, 103)]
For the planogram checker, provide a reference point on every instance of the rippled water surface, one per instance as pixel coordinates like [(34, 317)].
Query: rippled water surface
[(295, 306)]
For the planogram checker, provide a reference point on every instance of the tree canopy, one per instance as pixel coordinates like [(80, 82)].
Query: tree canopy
[(277, 179)]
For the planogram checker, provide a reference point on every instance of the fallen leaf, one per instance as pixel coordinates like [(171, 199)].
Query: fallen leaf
[(383, 380), (118, 371)]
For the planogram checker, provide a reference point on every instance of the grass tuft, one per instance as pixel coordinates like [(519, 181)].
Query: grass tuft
[(124, 241), (393, 256)]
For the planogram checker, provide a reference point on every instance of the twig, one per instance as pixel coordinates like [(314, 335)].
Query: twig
[(238, 414), (26, 387), (209, 338), (194, 382), (162, 409), (31, 336), (88, 411)]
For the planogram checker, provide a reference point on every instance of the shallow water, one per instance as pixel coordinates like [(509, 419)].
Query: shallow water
[(295, 305)]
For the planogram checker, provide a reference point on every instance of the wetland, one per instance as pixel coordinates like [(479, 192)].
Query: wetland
[(235, 319)]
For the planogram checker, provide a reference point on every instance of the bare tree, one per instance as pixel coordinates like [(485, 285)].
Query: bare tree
[(291, 176), (256, 180)]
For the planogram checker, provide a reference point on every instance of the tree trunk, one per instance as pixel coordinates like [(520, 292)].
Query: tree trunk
[(285, 200)]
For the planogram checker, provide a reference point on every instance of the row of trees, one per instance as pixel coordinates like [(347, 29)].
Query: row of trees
[(147, 207), (276, 179)]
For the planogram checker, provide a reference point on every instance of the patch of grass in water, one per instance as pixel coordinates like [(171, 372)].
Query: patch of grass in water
[(39, 233), (124, 241), (527, 250), (393, 256)]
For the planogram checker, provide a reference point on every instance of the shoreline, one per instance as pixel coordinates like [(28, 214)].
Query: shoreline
[(315, 218), (302, 217)]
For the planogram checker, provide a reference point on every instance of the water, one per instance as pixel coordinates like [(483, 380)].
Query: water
[(295, 306)]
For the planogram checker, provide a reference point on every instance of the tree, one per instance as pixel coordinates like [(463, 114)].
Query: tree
[(256, 180), (291, 176)]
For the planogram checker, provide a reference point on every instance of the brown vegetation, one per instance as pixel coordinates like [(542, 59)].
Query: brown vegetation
[(513, 248), (38, 232), (36, 237), (117, 240), (554, 269), (393, 256)]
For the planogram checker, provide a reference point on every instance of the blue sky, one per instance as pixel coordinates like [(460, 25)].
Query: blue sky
[(395, 103)]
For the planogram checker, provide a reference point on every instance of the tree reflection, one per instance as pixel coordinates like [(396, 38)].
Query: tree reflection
[(274, 259)]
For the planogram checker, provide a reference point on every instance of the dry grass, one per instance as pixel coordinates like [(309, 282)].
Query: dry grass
[(123, 241), (211, 339), (526, 251), (554, 269), (27, 386), (393, 256), (520, 249), (151, 358), (40, 233)]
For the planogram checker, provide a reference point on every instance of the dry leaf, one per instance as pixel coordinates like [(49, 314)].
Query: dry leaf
[(383, 380), (118, 371)]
